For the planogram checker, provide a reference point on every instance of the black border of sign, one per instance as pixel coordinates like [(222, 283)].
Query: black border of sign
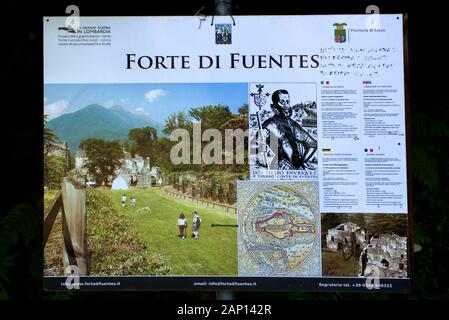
[(150, 283), (235, 283)]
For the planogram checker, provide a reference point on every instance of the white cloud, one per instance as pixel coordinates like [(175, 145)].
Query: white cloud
[(140, 111), (55, 109), (152, 95), (109, 103)]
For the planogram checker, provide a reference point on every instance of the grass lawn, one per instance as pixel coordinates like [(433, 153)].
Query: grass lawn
[(214, 253)]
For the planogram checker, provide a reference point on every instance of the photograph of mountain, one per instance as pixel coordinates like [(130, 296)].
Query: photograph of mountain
[(98, 121)]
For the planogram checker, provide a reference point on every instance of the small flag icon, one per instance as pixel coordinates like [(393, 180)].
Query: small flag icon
[(326, 150)]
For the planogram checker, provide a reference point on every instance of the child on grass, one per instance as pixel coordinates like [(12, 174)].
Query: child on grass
[(182, 225), (196, 225)]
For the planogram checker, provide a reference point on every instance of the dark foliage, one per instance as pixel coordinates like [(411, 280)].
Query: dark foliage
[(103, 158)]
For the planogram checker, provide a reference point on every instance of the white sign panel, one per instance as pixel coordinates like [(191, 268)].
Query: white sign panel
[(322, 98)]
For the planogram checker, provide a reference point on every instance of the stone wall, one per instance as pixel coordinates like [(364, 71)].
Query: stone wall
[(136, 170)]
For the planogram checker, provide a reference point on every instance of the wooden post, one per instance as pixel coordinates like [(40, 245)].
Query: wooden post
[(74, 224)]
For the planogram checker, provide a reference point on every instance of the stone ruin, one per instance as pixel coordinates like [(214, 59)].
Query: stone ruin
[(344, 235), (136, 170), (80, 160), (384, 256), (57, 148)]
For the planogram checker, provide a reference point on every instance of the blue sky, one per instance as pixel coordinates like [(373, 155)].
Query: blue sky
[(155, 100)]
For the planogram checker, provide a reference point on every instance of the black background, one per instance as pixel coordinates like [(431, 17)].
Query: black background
[(22, 118)]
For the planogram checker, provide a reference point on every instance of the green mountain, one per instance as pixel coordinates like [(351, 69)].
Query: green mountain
[(95, 121)]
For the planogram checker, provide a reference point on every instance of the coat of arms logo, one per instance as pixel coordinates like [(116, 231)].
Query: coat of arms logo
[(340, 33), (223, 33)]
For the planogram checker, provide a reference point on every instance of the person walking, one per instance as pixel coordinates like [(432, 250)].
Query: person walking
[(196, 225), (182, 225), (124, 200)]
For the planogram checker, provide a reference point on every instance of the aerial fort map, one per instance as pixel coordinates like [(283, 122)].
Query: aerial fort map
[(279, 232)]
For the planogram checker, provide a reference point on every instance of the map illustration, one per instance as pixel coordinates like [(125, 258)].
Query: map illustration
[(279, 229)]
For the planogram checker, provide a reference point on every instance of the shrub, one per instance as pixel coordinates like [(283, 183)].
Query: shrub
[(54, 170)]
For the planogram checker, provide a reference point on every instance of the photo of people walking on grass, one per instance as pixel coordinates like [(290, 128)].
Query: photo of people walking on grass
[(144, 215)]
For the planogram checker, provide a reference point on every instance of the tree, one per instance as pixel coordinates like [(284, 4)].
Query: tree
[(103, 158), (142, 140), (211, 116), (243, 110), (161, 153), (177, 120), (54, 170)]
